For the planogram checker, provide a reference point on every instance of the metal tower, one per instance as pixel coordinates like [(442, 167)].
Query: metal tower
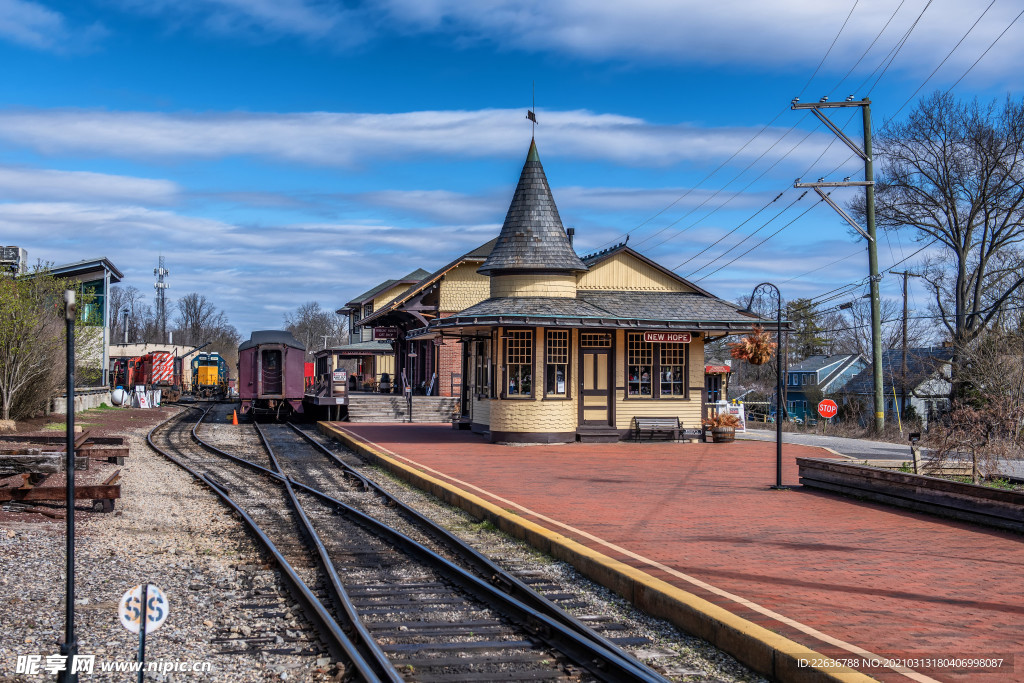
[(161, 303)]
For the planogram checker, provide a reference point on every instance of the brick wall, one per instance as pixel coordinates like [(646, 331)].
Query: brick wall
[(449, 360)]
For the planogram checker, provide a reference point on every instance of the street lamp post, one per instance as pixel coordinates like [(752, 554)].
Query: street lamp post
[(778, 383)]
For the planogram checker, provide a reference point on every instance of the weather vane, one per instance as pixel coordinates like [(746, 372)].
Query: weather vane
[(531, 113)]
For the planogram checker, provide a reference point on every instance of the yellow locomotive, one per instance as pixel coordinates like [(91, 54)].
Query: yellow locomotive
[(209, 376)]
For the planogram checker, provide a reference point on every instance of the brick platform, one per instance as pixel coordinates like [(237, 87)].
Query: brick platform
[(835, 574)]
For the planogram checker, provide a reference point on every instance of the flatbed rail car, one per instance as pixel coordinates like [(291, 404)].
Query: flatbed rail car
[(271, 373)]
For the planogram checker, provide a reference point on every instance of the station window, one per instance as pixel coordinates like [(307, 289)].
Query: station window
[(557, 363), (599, 340), (640, 364), (655, 369), (91, 296), (671, 372), (519, 363)]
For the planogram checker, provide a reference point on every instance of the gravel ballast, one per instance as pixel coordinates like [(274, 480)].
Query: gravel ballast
[(175, 533)]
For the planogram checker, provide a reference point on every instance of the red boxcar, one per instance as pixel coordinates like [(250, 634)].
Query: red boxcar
[(271, 372)]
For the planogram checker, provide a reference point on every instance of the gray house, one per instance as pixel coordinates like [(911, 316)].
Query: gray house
[(927, 383), (819, 376)]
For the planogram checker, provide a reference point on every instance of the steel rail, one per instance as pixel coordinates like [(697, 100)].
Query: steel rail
[(605, 664), (480, 563), (610, 664), (365, 639), (329, 628)]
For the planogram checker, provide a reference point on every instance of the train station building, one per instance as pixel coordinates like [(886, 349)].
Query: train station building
[(558, 347), (370, 350)]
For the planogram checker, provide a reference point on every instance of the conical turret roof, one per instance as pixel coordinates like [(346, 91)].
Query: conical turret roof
[(532, 237)]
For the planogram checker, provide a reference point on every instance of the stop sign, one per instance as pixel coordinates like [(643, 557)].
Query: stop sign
[(828, 408)]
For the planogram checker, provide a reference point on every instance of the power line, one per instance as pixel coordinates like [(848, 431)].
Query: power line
[(896, 50), (704, 277), (950, 54), (734, 196), (730, 232), (761, 227), (829, 50), (986, 51), (734, 179), (866, 51), (703, 180), (751, 140), (830, 263)]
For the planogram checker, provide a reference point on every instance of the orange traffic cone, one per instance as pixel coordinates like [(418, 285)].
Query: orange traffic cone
[(234, 417)]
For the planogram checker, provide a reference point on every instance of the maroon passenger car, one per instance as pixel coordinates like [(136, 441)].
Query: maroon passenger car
[(270, 372)]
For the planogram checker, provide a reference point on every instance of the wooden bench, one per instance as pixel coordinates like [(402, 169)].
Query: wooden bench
[(656, 425)]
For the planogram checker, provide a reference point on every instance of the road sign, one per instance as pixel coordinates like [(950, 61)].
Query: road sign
[(130, 608), (828, 408)]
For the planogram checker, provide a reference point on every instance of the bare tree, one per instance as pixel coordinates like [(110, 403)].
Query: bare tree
[(198, 318), (954, 173), (853, 328), (199, 321), (316, 327), (130, 299)]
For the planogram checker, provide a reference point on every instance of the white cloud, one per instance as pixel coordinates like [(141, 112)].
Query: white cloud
[(745, 32), (253, 272), (440, 205), (33, 25), (30, 183), (326, 138)]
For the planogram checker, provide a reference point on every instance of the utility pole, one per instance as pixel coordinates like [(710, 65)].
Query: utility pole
[(869, 188), (903, 389)]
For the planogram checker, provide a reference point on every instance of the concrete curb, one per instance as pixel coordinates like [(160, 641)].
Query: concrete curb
[(760, 649)]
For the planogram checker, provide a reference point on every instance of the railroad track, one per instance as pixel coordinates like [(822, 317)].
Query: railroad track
[(398, 599)]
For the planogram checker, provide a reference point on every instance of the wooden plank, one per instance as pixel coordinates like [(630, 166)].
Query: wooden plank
[(39, 463), (60, 439), (59, 493), (103, 452), (112, 479), (81, 439)]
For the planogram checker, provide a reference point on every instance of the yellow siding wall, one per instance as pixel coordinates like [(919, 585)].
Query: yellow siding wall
[(535, 414), (688, 412), (386, 363), (534, 285), (625, 273), (387, 295), (463, 287), (379, 302)]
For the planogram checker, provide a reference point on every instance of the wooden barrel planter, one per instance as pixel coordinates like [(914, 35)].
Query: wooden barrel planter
[(723, 434)]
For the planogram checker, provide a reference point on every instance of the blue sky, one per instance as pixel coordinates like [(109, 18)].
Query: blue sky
[(282, 151)]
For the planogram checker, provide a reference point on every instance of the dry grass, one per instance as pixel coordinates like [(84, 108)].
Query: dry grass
[(7, 425)]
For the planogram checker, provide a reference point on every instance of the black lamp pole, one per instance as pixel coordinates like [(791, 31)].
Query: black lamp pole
[(778, 384), (69, 648)]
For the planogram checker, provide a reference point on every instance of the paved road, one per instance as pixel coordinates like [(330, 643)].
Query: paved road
[(855, 448), (859, 448)]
